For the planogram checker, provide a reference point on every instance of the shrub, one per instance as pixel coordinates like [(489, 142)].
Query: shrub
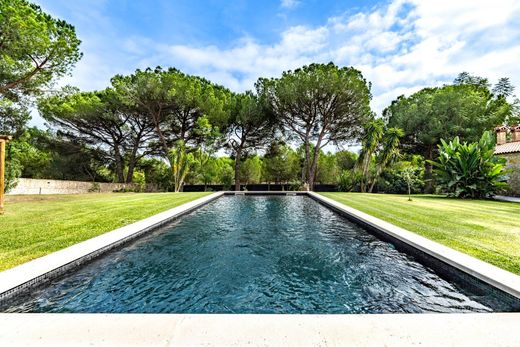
[(395, 179), (349, 180), (470, 170)]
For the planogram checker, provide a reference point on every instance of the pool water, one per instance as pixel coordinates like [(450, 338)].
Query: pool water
[(255, 254)]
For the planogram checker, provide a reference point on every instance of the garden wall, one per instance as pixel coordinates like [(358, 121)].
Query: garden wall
[(37, 186), (513, 162)]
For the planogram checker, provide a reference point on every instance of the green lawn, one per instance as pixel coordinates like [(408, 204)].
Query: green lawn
[(37, 225), (488, 230)]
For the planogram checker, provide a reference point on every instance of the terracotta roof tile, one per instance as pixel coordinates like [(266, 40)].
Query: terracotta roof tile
[(510, 147)]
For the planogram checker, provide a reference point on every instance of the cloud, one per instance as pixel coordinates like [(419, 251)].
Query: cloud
[(289, 4), (400, 47)]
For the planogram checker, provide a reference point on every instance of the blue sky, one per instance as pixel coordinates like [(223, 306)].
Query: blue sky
[(400, 46)]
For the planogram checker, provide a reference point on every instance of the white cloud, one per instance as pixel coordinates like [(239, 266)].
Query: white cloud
[(289, 4), (400, 47)]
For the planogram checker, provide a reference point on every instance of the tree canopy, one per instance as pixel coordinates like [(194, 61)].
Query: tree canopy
[(318, 104), (35, 48)]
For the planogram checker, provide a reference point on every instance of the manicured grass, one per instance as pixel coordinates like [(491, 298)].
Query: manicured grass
[(488, 230), (37, 225)]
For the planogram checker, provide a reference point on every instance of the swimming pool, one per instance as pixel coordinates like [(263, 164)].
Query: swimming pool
[(258, 254)]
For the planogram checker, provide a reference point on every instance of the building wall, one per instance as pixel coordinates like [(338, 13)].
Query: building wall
[(27, 186), (513, 162)]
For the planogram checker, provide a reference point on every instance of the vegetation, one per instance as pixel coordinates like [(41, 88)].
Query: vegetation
[(163, 128), (318, 104), (485, 229), (470, 170), (465, 109), (34, 226)]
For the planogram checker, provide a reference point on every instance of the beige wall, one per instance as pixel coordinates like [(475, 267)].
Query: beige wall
[(513, 162), (36, 186)]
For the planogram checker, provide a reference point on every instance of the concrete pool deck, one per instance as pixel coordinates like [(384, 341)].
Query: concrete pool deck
[(495, 329)]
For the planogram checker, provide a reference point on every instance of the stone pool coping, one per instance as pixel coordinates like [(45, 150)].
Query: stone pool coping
[(496, 277), (24, 276), (454, 329)]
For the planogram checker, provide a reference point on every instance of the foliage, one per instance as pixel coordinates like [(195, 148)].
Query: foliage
[(466, 109), (35, 48), (402, 175), (13, 117), (327, 169), (470, 170), (346, 160), (181, 162), (349, 180), (388, 153), (281, 163), (372, 135), (13, 168), (318, 104), (251, 170), (251, 127)]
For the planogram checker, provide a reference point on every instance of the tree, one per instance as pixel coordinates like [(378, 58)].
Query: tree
[(504, 88), (251, 127), (388, 153), (101, 120), (346, 160), (35, 48), (470, 170), (251, 170), (13, 117), (174, 102), (327, 170), (318, 104), (465, 109), (281, 163), (372, 135)]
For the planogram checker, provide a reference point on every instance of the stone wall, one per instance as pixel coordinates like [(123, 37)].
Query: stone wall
[(37, 186), (513, 162)]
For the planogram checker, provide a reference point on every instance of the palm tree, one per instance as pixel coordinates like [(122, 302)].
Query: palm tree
[(371, 139), (389, 153)]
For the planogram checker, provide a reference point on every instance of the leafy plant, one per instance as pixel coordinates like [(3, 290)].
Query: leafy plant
[(470, 170), (349, 180)]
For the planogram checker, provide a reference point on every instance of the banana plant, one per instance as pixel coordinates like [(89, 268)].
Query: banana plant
[(471, 170)]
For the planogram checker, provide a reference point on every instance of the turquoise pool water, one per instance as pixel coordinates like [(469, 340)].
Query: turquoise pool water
[(256, 254)]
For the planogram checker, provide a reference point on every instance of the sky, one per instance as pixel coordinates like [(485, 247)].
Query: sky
[(400, 46)]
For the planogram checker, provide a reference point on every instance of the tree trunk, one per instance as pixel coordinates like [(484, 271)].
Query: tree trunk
[(237, 170), (379, 170), (306, 167), (119, 165), (429, 171), (314, 164)]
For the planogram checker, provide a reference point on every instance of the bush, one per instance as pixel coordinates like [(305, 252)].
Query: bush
[(470, 170), (394, 179), (349, 180)]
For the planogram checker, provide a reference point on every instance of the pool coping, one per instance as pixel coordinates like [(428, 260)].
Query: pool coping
[(27, 275), (488, 273)]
